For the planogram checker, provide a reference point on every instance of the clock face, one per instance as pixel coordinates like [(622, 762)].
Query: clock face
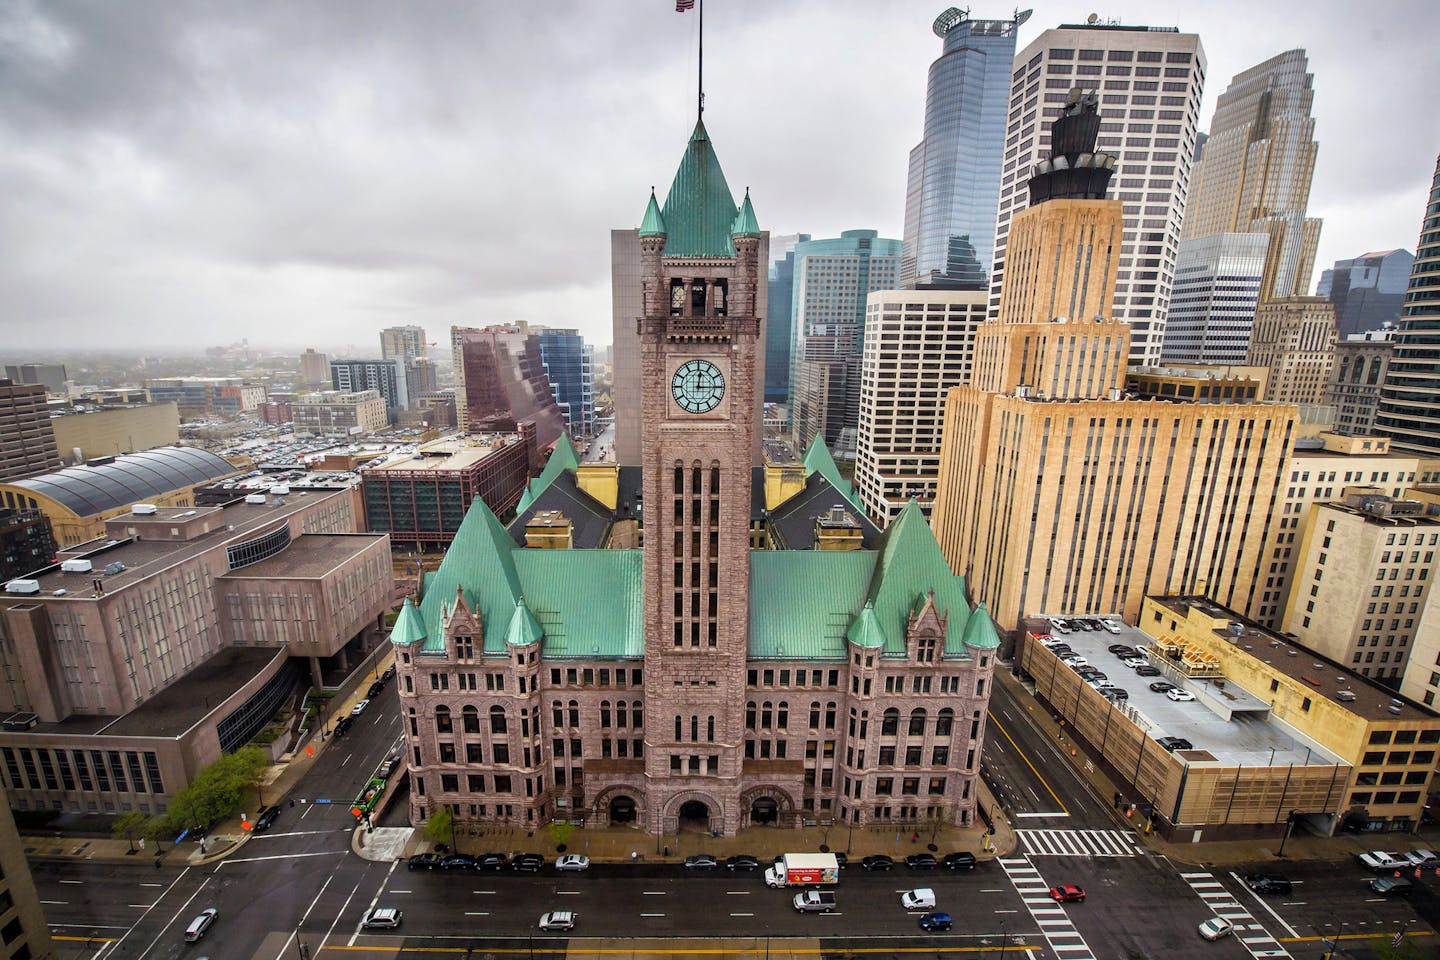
[(698, 386)]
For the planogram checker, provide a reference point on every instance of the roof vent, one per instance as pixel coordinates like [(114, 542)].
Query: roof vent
[(144, 508), (60, 592), (1345, 696), (1394, 709), (1396, 703), (255, 498), (1293, 653), (113, 568), (76, 566), (1318, 666)]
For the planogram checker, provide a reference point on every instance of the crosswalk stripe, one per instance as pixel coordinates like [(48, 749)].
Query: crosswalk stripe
[(1052, 919), (1260, 944), (1078, 843)]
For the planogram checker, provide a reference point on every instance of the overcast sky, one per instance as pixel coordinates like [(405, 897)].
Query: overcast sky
[(178, 174)]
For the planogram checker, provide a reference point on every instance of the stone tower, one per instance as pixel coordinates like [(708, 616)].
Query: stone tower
[(699, 332)]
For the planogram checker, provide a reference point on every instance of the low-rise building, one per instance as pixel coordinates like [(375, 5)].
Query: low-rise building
[(201, 396), (86, 433), (339, 413), (1361, 360)]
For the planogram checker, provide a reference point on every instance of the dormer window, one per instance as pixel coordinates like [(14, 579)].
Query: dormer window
[(464, 648), (924, 649)]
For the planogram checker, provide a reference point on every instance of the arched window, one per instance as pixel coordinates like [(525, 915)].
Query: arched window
[(767, 715), (890, 722), (815, 715), (497, 719), (917, 722), (637, 714), (750, 715), (782, 716), (710, 729), (1359, 372), (694, 729), (574, 714), (470, 717), (604, 713), (714, 481), (678, 731), (1374, 377), (620, 720), (558, 714), (944, 721), (679, 479), (443, 723)]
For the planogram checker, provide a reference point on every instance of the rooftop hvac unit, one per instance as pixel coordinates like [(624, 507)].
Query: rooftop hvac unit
[(113, 568), (1394, 709), (17, 722), (144, 508), (23, 586), (1345, 696), (76, 566), (255, 498), (280, 490)]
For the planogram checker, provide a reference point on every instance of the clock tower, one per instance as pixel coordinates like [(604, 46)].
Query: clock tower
[(699, 335)]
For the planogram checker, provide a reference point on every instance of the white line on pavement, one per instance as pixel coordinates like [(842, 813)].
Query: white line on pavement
[(72, 881), (652, 914), (1268, 909), (286, 856), (58, 903)]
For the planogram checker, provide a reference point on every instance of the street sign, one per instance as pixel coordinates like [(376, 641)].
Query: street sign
[(322, 800)]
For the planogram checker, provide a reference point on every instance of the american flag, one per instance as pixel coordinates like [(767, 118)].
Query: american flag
[(1397, 939), (682, 5)]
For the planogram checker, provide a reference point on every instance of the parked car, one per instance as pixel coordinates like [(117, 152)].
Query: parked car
[(1110, 626), (701, 861), (1148, 671), (1075, 660), (1126, 653), (935, 921), (387, 674), (1133, 662), (342, 725), (1067, 893), (1384, 860), (1162, 686), (458, 863), (492, 861), (1061, 650), (425, 861), (1176, 743), (1215, 928), (558, 920), (359, 707), (922, 898), (381, 918), (1116, 693), (1099, 682), (1268, 883), (375, 690), (1119, 648), (572, 863), (528, 863), (1179, 696), (390, 764), (1423, 858), (1059, 625), (960, 860), (921, 861), (877, 862), (266, 819), (742, 861)]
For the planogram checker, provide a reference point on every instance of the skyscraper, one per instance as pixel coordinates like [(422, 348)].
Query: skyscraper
[(832, 279), (27, 438), (1294, 338), (954, 181), (570, 365), (1410, 400), (506, 383), (1212, 304), (1368, 291), (386, 377), (1150, 80), (1254, 174), (779, 331), (314, 367), (402, 343)]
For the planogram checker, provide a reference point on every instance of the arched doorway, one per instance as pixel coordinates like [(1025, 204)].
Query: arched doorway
[(622, 810), (764, 811), (695, 815)]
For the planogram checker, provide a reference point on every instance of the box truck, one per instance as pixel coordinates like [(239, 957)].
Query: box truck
[(802, 869)]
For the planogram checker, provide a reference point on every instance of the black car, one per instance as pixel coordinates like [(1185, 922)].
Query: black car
[(1116, 693), (742, 861), (492, 861), (1147, 671), (424, 861), (1176, 743), (1268, 883), (375, 690), (878, 862), (1125, 653), (342, 725), (920, 861), (1119, 648), (961, 860), (389, 672), (842, 860), (459, 862), (266, 818), (528, 863), (1161, 686)]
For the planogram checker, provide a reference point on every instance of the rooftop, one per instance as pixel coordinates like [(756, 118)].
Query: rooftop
[(128, 478), (310, 556), (447, 454)]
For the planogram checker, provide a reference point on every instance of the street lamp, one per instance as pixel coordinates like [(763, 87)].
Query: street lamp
[(1289, 826), (1003, 938)]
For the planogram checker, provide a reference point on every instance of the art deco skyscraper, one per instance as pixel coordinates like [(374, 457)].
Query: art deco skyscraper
[(1254, 174), (1410, 400), (1150, 80), (950, 200)]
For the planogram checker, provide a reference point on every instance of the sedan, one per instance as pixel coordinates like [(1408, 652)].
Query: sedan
[(742, 861), (1175, 743), (1179, 696), (701, 861), (528, 863), (1162, 686), (1216, 928), (1133, 662), (961, 860), (1128, 653), (877, 862), (266, 819), (390, 764), (921, 861), (1119, 648), (1074, 660), (935, 921), (1268, 883), (572, 862), (1067, 893), (375, 690), (1148, 671), (1116, 693), (558, 920), (492, 861), (458, 863), (381, 918), (424, 861), (359, 707)]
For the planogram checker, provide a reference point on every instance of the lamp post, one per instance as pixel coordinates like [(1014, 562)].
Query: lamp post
[(1289, 826), (1003, 938)]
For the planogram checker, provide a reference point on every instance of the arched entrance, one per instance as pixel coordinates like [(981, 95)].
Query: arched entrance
[(764, 811), (622, 810), (695, 815)]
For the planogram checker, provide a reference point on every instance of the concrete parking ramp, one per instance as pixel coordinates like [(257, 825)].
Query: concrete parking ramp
[(760, 948)]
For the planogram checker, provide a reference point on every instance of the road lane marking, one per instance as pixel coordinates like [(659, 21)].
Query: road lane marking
[(652, 914), (1047, 813), (57, 903), (477, 913), (401, 891), (567, 893), (742, 914), (656, 893), (737, 893), (489, 893), (152, 884), (286, 856), (73, 881), (139, 906), (1268, 909), (1006, 734)]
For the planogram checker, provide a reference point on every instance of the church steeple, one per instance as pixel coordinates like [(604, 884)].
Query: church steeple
[(699, 210)]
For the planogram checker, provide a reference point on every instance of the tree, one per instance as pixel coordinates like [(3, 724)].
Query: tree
[(157, 830), (935, 822), (561, 831), (248, 765), (130, 825), (441, 826)]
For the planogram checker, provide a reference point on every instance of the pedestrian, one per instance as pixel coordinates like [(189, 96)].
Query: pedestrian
[(157, 863), (634, 855)]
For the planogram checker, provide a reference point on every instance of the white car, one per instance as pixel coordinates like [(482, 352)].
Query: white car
[(1074, 660), (920, 899), (359, 707), (1100, 684), (1110, 626), (1380, 860), (1133, 662), (558, 920), (572, 861), (1423, 858), (1179, 696), (1059, 626), (381, 918), (1216, 928)]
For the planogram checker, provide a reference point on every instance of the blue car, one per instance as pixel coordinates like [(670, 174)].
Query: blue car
[(935, 921)]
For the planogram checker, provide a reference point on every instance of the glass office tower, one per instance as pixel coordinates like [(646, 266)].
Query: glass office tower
[(951, 200)]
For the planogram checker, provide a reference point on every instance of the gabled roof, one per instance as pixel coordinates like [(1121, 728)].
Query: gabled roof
[(745, 224), (818, 460), (802, 601), (699, 210), (793, 522), (653, 225), (910, 566), (563, 458)]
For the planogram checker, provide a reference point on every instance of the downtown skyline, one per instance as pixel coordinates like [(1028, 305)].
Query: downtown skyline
[(172, 187)]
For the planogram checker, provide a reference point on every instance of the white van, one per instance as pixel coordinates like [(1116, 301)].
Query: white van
[(200, 924), (921, 899)]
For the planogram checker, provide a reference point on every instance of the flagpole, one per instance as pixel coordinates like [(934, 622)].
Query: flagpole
[(700, 79)]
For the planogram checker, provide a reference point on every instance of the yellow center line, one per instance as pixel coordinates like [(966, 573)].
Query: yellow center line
[(999, 726), (56, 936), (776, 949)]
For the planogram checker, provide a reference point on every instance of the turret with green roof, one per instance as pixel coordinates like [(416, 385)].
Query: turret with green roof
[(700, 213)]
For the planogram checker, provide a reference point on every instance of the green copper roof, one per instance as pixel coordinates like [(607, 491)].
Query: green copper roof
[(481, 562), (589, 602), (562, 458), (980, 630), (910, 566), (818, 460), (409, 628), (802, 601), (653, 225), (745, 224), (699, 210), (524, 629), (865, 631)]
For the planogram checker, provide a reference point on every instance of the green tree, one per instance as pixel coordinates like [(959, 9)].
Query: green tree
[(561, 831), (441, 826), (157, 831), (130, 825)]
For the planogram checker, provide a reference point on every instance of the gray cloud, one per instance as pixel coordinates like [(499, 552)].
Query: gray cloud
[(186, 173)]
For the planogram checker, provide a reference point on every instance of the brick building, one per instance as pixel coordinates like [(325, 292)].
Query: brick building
[(765, 657)]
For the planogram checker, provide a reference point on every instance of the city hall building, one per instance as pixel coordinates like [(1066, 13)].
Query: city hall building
[(696, 641)]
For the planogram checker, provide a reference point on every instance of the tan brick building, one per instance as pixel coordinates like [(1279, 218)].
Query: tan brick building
[(1294, 338), (115, 430), (830, 673)]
